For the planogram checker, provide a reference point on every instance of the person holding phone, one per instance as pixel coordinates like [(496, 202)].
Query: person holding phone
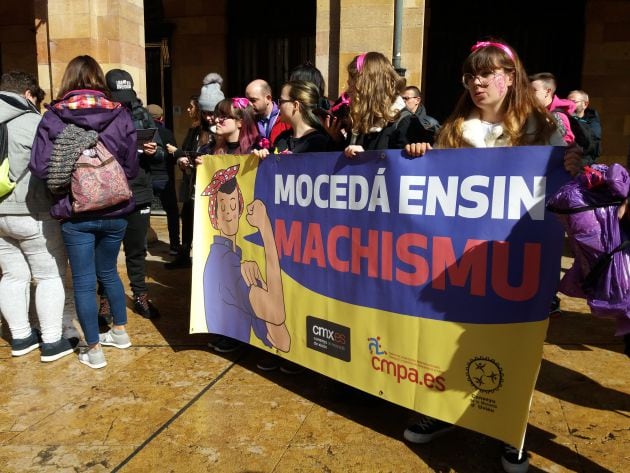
[(199, 137)]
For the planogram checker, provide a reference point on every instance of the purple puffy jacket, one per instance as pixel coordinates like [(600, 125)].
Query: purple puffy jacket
[(587, 208)]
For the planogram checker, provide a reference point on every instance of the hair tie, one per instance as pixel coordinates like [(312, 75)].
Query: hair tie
[(360, 61), (240, 103), (501, 46), (343, 100)]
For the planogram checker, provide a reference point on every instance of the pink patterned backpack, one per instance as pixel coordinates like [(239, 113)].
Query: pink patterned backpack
[(98, 181)]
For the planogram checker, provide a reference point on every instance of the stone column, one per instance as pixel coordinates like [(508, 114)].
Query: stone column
[(346, 28), (112, 32)]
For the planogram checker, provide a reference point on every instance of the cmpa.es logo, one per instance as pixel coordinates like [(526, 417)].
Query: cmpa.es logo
[(374, 345), (484, 374)]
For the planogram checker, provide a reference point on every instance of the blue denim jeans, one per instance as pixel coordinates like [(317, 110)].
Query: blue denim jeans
[(93, 247)]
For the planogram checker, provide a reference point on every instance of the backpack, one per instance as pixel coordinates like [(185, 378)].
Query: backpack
[(6, 184), (583, 136), (98, 181)]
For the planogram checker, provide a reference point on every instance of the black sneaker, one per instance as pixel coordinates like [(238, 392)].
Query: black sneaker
[(426, 430), (142, 306), (174, 249), (554, 308), (22, 346), (179, 263), (227, 345), (268, 363), (288, 367), (59, 349), (514, 460)]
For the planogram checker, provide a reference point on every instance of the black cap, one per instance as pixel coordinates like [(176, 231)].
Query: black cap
[(120, 84)]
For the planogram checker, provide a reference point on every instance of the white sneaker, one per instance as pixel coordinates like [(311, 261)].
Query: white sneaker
[(94, 357), (118, 340)]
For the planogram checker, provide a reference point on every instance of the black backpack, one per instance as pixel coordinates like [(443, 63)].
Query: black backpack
[(583, 135)]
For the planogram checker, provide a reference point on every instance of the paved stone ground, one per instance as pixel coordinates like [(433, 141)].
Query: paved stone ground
[(169, 404)]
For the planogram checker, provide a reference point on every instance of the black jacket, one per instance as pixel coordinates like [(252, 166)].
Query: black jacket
[(141, 186)]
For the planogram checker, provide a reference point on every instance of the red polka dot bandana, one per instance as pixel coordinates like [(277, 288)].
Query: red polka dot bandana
[(221, 177)]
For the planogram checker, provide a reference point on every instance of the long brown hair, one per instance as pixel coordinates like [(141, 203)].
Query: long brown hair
[(83, 72), (518, 106), (373, 88)]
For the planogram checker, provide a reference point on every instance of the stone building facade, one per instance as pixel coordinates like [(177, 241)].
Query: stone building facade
[(43, 35)]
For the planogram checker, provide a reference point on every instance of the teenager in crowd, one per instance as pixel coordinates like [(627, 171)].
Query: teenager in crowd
[(373, 93), (198, 140), (92, 241), (236, 133), (298, 103), (497, 108), (31, 247)]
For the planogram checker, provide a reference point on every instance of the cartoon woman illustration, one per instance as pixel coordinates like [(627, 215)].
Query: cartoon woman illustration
[(236, 297)]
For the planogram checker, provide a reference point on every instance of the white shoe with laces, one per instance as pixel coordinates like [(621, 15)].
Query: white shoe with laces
[(92, 357), (112, 339)]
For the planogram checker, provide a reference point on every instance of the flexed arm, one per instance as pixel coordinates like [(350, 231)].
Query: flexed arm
[(268, 302)]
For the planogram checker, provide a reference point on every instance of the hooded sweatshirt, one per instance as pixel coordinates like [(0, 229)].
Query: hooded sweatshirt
[(559, 109), (90, 110), (30, 195)]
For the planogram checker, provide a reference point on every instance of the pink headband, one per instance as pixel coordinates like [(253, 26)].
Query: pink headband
[(240, 102), (360, 61), (501, 46)]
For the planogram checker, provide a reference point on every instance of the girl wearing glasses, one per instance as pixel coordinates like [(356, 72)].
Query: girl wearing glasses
[(236, 133), (497, 108), (298, 103), (236, 128)]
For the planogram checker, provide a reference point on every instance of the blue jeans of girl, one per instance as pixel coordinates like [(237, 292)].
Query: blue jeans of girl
[(93, 247)]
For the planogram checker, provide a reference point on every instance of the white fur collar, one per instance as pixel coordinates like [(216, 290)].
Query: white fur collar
[(477, 136)]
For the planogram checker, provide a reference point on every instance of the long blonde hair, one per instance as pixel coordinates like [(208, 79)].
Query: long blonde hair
[(374, 86), (518, 106)]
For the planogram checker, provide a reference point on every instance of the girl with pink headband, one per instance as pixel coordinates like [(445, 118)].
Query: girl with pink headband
[(496, 108), (236, 128), (374, 88)]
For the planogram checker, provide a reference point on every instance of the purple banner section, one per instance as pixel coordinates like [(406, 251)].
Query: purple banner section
[(459, 235)]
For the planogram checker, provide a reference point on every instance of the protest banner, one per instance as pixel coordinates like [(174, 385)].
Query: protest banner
[(426, 282)]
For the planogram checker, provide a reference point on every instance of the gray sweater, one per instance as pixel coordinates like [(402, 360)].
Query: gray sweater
[(30, 195)]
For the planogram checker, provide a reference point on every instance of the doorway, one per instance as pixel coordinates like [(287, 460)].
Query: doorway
[(548, 36), (268, 40)]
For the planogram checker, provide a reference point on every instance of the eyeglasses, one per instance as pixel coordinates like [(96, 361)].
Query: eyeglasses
[(281, 101), (409, 98), (221, 120), (485, 77)]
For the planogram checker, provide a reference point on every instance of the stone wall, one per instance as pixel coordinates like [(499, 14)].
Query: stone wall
[(606, 73), (346, 28), (112, 32)]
